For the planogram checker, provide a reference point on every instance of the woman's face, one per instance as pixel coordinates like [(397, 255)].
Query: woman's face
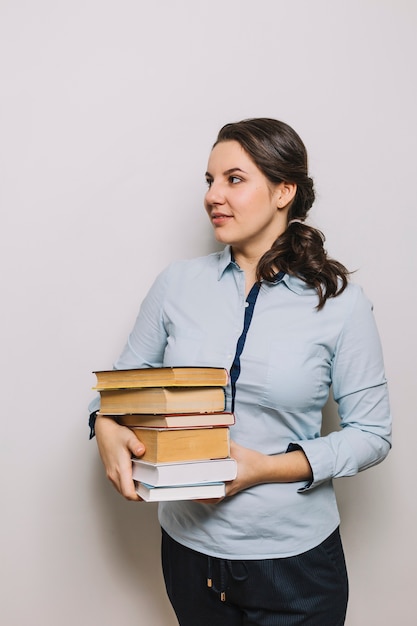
[(245, 209)]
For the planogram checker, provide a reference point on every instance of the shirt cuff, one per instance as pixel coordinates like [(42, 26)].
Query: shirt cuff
[(328, 459), (296, 446), (92, 423)]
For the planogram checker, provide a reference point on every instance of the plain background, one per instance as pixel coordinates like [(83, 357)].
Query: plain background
[(108, 110)]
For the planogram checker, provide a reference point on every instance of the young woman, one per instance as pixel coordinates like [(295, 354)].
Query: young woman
[(282, 318)]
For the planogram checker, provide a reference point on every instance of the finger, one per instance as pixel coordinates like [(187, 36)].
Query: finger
[(121, 477), (135, 446), (127, 486)]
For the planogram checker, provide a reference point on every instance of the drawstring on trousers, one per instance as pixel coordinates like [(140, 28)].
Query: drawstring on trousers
[(236, 570)]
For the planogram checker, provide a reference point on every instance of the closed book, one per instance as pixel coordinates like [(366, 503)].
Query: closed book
[(171, 474), (164, 445), (182, 492), (162, 400), (178, 420), (162, 377)]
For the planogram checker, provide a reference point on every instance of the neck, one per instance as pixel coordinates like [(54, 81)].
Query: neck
[(248, 264)]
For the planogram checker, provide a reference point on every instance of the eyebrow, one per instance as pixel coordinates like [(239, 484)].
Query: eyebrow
[(232, 170)]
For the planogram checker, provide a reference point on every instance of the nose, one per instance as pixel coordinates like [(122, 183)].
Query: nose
[(214, 194)]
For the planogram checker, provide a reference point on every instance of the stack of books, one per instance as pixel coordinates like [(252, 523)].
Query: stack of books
[(178, 413)]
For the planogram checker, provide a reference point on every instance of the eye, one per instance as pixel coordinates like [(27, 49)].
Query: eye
[(209, 182), (234, 180)]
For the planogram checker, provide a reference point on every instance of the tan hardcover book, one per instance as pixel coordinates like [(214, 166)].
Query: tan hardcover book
[(178, 420), (162, 377), (162, 400), (165, 445)]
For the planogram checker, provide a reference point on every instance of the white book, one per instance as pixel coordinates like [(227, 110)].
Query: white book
[(184, 473), (180, 492)]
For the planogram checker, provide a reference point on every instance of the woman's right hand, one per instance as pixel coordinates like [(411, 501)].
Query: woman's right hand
[(116, 445)]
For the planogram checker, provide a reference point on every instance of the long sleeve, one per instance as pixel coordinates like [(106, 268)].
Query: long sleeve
[(360, 390)]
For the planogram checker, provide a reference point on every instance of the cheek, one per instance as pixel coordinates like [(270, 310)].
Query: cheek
[(260, 203)]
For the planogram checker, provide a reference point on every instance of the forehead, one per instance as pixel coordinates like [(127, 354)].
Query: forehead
[(227, 155)]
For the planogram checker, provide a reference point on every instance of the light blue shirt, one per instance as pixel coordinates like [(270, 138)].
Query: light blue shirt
[(193, 315)]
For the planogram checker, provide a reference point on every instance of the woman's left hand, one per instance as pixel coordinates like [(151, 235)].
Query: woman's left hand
[(251, 468), (254, 468)]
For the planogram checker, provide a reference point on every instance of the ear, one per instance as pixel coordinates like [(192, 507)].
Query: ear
[(285, 194)]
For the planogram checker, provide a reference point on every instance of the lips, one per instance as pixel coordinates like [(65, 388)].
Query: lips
[(220, 218)]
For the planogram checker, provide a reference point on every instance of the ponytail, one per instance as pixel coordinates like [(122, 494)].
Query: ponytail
[(299, 251)]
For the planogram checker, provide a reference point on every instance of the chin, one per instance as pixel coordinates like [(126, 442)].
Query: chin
[(223, 237)]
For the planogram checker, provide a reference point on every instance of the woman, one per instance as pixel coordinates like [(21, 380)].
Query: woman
[(282, 317)]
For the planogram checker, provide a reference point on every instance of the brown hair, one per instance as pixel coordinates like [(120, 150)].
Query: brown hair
[(280, 154)]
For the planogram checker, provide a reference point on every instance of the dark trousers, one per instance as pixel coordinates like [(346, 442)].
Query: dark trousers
[(307, 589)]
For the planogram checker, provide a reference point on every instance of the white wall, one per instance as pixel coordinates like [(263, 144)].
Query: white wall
[(107, 112)]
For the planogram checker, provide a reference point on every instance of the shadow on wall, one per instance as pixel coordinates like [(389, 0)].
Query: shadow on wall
[(129, 535), (359, 497)]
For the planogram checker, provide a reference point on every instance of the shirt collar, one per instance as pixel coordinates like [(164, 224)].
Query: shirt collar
[(225, 260), (297, 285), (293, 283)]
